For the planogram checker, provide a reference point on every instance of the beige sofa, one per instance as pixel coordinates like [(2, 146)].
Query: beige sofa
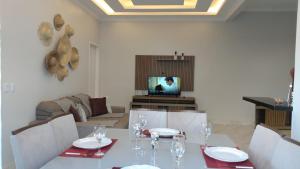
[(117, 119)]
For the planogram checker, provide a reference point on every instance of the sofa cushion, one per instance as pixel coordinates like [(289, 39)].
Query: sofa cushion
[(48, 107), (75, 114), (98, 106), (82, 112), (76, 100), (85, 99)]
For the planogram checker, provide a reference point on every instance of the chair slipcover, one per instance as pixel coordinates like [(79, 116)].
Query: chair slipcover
[(262, 146), (34, 147), (155, 119), (286, 155), (189, 122), (65, 131)]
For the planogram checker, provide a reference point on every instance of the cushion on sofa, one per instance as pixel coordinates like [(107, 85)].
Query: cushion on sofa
[(98, 106), (85, 99), (75, 114), (76, 100)]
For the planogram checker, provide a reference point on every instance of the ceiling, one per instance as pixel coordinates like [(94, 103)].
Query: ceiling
[(206, 10)]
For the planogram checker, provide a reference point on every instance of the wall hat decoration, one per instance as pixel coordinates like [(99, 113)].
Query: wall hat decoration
[(51, 62), (64, 50), (57, 61), (62, 72), (58, 22), (74, 61), (69, 31), (45, 33)]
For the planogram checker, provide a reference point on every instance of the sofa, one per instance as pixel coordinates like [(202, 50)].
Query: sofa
[(117, 118)]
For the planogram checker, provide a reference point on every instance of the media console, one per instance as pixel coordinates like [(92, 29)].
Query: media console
[(164, 102)]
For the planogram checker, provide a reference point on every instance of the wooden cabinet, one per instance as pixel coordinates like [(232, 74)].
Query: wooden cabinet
[(164, 102)]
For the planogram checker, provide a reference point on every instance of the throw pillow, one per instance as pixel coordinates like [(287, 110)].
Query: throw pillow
[(98, 106), (82, 113), (109, 110), (75, 113)]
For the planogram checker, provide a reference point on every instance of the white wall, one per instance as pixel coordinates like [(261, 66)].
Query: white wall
[(250, 56), (23, 58), (296, 104)]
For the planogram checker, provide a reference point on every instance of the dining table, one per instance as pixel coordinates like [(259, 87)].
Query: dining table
[(123, 154)]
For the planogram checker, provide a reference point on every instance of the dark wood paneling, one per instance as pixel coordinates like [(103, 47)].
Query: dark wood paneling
[(158, 65)]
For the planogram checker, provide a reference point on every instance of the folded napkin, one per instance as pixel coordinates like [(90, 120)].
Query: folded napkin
[(85, 153), (147, 133), (213, 163)]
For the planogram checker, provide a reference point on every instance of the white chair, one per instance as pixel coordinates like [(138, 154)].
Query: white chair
[(155, 119), (33, 146), (65, 130), (286, 154), (189, 122), (262, 146)]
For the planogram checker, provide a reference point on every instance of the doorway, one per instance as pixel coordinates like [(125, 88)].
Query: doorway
[(94, 70)]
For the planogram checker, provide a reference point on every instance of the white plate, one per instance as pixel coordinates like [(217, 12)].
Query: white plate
[(91, 143), (140, 167), (226, 154), (165, 132)]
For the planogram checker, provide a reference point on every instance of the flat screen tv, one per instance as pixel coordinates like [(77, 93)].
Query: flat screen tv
[(161, 85)]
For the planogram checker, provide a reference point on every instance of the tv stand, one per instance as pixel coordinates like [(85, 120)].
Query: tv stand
[(170, 103)]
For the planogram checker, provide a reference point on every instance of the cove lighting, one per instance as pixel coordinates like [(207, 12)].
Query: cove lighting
[(187, 4), (213, 9)]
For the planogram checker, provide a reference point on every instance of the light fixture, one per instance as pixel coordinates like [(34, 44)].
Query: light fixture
[(213, 9), (187, 4)]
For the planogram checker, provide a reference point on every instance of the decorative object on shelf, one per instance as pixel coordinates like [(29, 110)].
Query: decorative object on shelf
[(74, 61), (175, 55), (58, 22), (182, 56), (64, 50), (51, 62), (62, 72), (45, 33), (69, 31)]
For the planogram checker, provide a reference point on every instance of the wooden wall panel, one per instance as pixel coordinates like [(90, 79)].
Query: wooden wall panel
[(158, 65)]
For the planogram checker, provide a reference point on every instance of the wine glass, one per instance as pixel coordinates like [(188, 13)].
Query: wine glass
[(99, 133), (154, 139), (207, 131), (178, 148), (143, 122), (137, 133)]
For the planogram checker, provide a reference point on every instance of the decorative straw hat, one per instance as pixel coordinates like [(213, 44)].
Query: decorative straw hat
[(45, 33), (74, 61), (58, 22), (51, 62), (62, 73), (69, 31), (64, 50)]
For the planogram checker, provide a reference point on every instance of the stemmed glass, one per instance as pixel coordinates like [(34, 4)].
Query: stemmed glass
[(178, 148), (143, 122), (137, 133), (99, 133), (207, 131)]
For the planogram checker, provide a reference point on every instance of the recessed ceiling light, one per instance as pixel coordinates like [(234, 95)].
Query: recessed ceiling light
[(187, 4), (213, 9)]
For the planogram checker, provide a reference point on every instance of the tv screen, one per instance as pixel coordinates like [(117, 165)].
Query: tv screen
[(164, 86)]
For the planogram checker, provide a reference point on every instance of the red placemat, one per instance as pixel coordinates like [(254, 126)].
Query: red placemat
[(213, 163), (84, 153)]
